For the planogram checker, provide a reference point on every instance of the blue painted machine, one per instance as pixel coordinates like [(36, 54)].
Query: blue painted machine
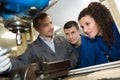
[(17, 14)]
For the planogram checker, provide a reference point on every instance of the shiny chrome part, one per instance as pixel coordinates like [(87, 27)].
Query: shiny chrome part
[(17, 26), (95, 68)]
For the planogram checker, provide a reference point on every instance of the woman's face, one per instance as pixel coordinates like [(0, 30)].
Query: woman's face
[(89, 26)]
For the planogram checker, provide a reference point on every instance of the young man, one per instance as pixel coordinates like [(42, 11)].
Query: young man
[(47, 46), (88, 52)]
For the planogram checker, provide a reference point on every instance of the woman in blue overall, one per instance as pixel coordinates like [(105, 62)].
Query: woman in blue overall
[(97, 22)]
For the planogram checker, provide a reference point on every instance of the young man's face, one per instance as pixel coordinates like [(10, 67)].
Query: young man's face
[(72, 35), (46, 28)]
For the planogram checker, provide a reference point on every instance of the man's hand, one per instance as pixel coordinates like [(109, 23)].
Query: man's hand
[(5, 63)]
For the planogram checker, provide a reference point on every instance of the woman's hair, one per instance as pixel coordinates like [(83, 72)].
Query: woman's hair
[(103, 18)]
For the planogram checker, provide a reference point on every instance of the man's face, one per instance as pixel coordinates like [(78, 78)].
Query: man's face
[(46, 28), (72, 35)]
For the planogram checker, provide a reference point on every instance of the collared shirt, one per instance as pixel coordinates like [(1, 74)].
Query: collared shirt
[(50, 44)]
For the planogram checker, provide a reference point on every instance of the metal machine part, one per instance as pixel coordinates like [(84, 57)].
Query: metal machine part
[(17, 26), (25, 73), (95, 68), (60, 71), (42, 71), (17, 14), (106, 71)]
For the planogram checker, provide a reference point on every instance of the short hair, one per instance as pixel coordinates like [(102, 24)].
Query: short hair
[(69, 24), (40, 15)]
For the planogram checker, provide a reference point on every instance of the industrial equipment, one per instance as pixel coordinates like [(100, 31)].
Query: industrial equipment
[(59, 70), (17, 14), (43, 71)]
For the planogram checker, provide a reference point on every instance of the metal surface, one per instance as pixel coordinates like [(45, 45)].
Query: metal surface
[(6, 42), (17, 15), (107, 71), (42, 71), (95, 68), (36, 72), (18, 26), (25, 73)]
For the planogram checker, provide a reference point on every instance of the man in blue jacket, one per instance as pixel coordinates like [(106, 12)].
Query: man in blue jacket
[(89, 53)]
